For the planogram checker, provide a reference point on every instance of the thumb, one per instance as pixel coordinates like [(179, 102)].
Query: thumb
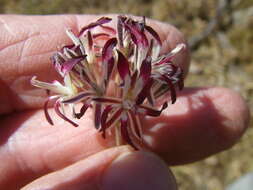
[(115, 168)]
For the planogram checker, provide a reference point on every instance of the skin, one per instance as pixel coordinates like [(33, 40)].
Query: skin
[(202, 122)]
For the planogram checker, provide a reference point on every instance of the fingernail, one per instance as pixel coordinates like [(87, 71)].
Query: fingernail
[(138, 171)]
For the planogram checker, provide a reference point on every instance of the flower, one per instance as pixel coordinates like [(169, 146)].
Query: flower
[(119, 74)]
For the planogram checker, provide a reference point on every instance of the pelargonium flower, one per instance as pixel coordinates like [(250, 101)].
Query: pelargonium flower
[(119, 73)]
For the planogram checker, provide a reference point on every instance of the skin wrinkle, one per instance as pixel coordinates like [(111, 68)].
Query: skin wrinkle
[(23, 165), (19, 161), (231, 124), (17, 42), (21, 47)]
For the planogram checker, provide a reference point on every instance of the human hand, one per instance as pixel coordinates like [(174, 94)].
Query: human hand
[(202, 122)]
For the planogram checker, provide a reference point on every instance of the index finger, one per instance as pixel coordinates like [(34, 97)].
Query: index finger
[(28, 42)]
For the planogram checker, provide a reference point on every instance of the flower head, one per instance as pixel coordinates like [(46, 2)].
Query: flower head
[(118, 73)]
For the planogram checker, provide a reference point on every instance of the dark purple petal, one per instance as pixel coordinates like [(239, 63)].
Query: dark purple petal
[(107, 51), (143, 23), (97, 115), (107, 100), (82, 110), (102, 20), (58, 112), (135, 123), (153, 112), (45, 108), (78, 51), (107, 58), (67, 66), (154, 34), (172, 89), (138, 37), (86, 79), (180, 77), (133, 79), (123, 66), (122, 18), (78, 97), (150, 48), (150, 99), (145, 70), (113, 118), (104, 117), (120, 32), (124, 132), (90, 40), (181, 83), (48, 92), (174, 69), (144, 92)]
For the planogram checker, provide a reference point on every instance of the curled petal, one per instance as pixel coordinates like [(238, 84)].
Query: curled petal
[(82, 110), (58, 112), (107, 51), (170, 55), (137, 35), (45, 108), (55, 86), (78, 98), (154, 34), (102, 20), (151, 111), (98, 35), (67, 66), (172, 89)]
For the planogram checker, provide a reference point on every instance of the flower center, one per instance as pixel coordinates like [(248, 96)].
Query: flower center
[(127, 104)]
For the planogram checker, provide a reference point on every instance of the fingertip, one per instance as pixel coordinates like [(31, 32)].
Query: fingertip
[(233, 107), (84, 174), (115, 168), (138, 170), (202, 122)]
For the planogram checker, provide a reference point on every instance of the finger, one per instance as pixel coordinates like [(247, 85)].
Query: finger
[(202, 122), (28, 42), (114, 168), (30, 147)]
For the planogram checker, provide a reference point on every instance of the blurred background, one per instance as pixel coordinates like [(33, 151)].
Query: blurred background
[(220, 34)]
